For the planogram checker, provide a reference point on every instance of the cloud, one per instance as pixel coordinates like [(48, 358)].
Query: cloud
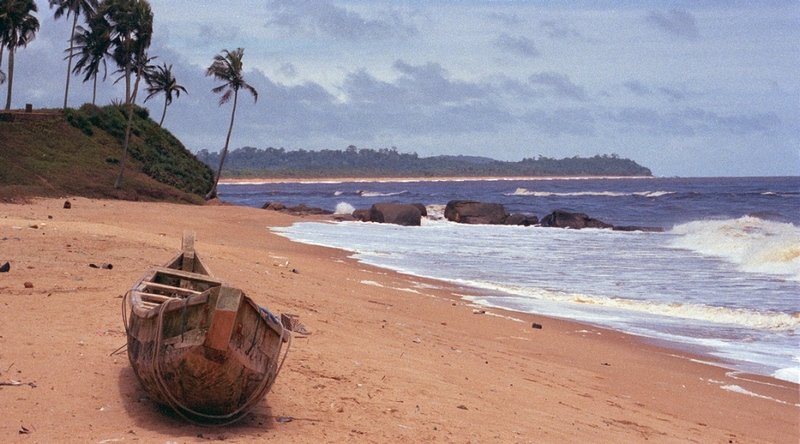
[(288, 70), (208, 35), (676, 22), (323, 18), (559, 30), (559, 85), (637, 87), (505, 18), (430, 83), (692, 122), (672, 94), (521, 46), (562, 121)]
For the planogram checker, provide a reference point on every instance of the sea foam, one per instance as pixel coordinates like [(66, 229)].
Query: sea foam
[(740, 317), (527, 192), (344, 208), (754, 245)]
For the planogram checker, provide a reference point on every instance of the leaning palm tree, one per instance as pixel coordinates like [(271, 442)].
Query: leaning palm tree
[(93, 45), (18, 26), (227, 67), (161, 80), (3, 25), (76, 8)]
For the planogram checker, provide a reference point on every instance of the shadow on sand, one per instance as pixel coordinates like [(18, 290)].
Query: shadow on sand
[(148, 415)]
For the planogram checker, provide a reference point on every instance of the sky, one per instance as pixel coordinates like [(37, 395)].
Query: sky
[(685, 88)]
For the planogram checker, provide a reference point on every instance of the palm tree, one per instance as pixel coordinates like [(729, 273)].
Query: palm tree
[(161, 80), (18, 26), (227, 67), (74, 7), (3, 25), (130, 27), (93, 44)]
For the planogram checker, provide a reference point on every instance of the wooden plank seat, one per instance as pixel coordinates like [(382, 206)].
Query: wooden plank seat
[(152, 297), (186, 275), (159, 286)]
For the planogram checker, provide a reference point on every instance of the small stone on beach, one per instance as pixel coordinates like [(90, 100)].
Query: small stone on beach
[(536, 326), (5, 268), (28, 284)]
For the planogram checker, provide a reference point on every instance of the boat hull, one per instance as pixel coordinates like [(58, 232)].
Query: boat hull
[(200, 347)]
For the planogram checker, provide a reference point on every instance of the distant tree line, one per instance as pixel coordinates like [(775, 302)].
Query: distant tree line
[(388, 162)]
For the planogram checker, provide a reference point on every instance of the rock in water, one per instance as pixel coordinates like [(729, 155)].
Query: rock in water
[(395, 213), (565, 219), (472, 212)]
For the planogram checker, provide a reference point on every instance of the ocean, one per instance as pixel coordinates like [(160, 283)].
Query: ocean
[(721, 280)]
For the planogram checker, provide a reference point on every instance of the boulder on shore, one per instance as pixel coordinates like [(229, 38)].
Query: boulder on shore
[(565, 219), (298, 210), (395, 213), (474, 212), (362, 215)]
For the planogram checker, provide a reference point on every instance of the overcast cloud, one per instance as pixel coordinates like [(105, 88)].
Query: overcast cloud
[(685, 88)]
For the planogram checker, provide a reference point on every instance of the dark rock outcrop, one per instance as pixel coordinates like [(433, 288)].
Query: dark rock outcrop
[(473, 212), (565, 219), (362, 215), (299, 210), (635, 228), (395, 213), (422, 210), (274, 206), (522, 219)]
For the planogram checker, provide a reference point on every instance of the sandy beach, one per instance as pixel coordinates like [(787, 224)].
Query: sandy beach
[(390, 358)]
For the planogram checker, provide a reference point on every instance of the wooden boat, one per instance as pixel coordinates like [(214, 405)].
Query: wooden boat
[(199, 346)]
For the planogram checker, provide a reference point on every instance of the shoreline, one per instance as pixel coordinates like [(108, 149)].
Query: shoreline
[(390, 357), (410, 179)]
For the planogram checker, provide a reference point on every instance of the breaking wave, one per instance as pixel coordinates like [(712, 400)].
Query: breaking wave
[(753, 244), (364, 193), (748, 318), (527, 192), (344, 208)]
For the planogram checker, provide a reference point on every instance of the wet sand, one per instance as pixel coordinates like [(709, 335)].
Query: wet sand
[(390, 358)]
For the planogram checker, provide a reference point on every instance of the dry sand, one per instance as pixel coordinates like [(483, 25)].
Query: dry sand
[(390, 358)]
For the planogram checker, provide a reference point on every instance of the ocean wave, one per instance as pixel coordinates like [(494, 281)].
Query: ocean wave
[(364, 193), (527, 192), (740, 317), (344, 208), (753, 244)]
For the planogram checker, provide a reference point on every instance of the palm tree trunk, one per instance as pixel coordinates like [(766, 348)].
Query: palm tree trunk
[(118, 182), (213, 193), (94, 89), (69, 61), (128, 83), (10, 77), (163, 113)]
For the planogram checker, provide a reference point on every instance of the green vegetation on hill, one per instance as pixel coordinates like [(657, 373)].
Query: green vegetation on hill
[(78, 153), (388, 162)]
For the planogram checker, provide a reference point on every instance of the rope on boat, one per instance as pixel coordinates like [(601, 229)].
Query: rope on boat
[(124, 321), (218, 420)]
